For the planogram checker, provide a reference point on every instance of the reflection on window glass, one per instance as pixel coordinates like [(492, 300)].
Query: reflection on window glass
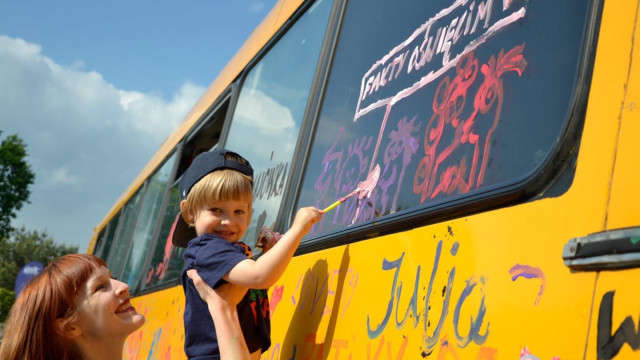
[(450, 99), (270, 108), (118, 254), (142, 238), (167, 261), (106, 238), (99, 246)]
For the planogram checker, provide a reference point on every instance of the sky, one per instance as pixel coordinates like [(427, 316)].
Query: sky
[(94, 87)]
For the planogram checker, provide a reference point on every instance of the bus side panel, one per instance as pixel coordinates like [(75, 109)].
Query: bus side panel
[(615, 325), (624, 208), (162, 336), (472, 288)]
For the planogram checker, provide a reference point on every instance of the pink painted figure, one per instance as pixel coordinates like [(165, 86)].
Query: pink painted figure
[(366, 187)]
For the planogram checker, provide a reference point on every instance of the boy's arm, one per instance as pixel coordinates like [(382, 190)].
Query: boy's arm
[(222, 307), (265, 272)]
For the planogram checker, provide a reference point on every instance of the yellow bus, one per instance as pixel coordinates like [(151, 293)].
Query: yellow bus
[(505, 223)]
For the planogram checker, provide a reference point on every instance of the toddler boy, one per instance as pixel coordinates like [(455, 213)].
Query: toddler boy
[(217, 193)]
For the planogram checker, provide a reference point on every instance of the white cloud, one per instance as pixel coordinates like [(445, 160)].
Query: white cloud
[(264, 114), (256, 7), (86, 139), (152, 116), (61, 175)]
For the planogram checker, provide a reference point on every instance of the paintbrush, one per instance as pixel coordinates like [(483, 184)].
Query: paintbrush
[(363, 190)]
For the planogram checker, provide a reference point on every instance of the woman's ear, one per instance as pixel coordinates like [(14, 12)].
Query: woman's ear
[(67, 328)]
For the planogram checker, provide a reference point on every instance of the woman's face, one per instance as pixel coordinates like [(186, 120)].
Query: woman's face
[(103, 307)]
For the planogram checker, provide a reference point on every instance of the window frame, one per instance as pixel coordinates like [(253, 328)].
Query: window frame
[(286, 211)]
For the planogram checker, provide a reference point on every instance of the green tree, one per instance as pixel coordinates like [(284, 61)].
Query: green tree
[(15, 178), (7, 298), (24, 246)]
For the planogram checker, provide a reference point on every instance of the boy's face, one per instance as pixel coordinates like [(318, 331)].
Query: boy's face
[(227, 219)]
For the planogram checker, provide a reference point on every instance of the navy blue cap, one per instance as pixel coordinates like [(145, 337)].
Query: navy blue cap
[(208, 162), (203, 164)]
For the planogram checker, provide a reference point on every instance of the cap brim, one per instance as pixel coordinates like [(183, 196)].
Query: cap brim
[(182, 232)]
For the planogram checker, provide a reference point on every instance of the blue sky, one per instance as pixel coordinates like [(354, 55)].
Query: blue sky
[(93, 88)]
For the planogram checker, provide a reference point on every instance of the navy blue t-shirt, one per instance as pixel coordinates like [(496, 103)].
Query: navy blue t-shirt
[(214, 257)]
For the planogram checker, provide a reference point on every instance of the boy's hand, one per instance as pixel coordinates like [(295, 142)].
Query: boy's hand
[(306, 217), (229, 294)]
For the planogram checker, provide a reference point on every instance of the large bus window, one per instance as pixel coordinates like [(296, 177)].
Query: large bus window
[(167, 261), (122, 239), (453, 100), (270, 110), (147, 222)]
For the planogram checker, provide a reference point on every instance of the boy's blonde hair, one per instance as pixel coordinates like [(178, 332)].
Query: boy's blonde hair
[(219, 185)]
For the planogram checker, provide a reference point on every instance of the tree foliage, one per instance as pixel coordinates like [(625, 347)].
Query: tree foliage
[(7, 298), (19, 246), (15, 178), (24, 246)]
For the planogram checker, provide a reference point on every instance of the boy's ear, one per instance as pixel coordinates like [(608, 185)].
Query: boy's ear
[(189, 221), (67, 328)]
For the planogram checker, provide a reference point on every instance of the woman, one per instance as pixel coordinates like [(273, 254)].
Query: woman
[(73, 309)]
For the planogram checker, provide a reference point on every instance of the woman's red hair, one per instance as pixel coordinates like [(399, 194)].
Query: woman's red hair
[(30, 330)]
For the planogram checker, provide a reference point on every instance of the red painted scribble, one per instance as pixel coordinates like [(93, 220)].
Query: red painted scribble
[(274, 299), (380, 347), (133, 344), (448, 105), (311, 349), (161, 270), (447, 351), (525, 354), (529, 272)]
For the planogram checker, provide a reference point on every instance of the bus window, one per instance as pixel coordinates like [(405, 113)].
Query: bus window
[(122, 239), (147, 222), (439, 94), (99, 249), (166, 262), (204, 137), (270, 108), (106, 238)]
